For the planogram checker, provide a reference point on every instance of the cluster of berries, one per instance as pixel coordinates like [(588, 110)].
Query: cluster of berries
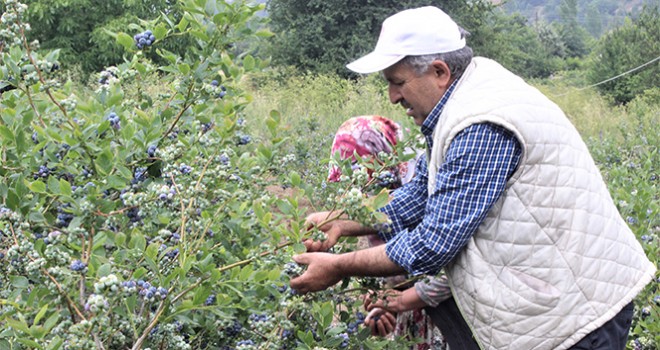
[(170, 254), (78, 266), (139, 175), (244, 139), (108, 76), (145, 289), (151, 151), (114, 120), (143, 39), (353, 326), (210, 300), (223, 89), (133, 214), (185, 169), (234, 329), (43, 172), (63, 218), (292, 269), (387, 180)]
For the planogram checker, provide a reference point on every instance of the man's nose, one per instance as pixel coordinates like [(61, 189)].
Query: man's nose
[(395, 95)]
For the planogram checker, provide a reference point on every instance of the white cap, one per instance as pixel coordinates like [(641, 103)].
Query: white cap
[(414, 32)]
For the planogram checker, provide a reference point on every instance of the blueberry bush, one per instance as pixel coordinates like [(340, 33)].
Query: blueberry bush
[(134, 214)]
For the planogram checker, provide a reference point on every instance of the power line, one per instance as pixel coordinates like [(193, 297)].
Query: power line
[(615, 77)]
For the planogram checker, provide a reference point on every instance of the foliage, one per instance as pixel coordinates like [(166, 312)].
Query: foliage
[(632, 45), (510, 41), (323, 36), (81, 33), (632, 171), (136, 217)]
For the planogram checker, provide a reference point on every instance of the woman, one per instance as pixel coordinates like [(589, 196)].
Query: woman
[(399, 311)]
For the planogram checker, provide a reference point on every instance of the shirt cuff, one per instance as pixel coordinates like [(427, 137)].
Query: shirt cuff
[(434, 290)]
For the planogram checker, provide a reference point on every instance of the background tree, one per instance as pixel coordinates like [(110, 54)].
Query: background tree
[(79, 28), (631, 45), (322, 35), (575, 37), (509, 40)]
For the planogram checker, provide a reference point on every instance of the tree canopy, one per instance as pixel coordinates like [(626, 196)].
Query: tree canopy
[(79, 27), (630, 46), (321, 35)]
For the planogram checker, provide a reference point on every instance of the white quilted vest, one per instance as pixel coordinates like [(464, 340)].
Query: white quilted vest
[(553, 259)]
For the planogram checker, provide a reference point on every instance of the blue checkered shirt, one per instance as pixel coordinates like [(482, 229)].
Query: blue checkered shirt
[(428, 231)]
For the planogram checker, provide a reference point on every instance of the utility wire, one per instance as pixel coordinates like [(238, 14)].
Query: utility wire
[(613, 78)]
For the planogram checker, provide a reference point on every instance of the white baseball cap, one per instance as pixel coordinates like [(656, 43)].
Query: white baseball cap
[(420, 31)]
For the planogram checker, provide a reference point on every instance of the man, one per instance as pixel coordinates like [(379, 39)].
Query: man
[(509, 202)]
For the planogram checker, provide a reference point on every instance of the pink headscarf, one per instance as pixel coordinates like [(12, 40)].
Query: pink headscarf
[(366, 135)]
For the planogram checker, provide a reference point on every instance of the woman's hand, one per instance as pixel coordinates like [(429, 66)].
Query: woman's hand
[(389, 300), (394, 301), (380, 321)]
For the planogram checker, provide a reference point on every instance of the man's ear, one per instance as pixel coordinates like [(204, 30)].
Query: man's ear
[(442, 73)]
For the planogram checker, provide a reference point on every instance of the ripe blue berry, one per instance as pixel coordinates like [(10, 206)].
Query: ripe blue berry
[(210, 300), (151, 151), (78, 266)]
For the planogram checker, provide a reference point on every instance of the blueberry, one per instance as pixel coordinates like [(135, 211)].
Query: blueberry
[(210, 300), (151, 151), (78, 266)]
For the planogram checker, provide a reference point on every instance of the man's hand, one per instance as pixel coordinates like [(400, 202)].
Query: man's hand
[(332, 229), (321, 272), (380, 321)]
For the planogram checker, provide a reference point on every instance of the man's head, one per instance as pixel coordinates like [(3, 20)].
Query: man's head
[(420, 52)]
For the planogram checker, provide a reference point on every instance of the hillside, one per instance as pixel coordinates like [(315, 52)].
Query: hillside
[(597, 16)]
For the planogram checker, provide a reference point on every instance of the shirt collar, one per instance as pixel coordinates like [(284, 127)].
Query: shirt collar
[(432, 120)]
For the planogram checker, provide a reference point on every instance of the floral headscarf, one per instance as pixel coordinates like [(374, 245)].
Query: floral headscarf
[(366, 135)]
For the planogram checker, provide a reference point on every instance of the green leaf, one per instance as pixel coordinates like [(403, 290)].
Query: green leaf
[(152, 250), (5, 133), (104, 270), (125, 40), (51, 321), (37, 186), (37, 216), (104, 163), (40, 314), (17, 325), (295, 178), (65, 187), (138, 242), (248, 63), (31, 343), (184, 68), (54, 185), (117, 182)]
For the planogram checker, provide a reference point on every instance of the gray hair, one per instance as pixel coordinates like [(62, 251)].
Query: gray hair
[(457, 60)]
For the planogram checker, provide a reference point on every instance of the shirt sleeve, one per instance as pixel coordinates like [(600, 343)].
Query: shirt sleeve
[(406, 209), (478, 164), (433, 290)]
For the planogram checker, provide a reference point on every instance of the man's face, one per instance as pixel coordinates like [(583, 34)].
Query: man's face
[(418, 94)]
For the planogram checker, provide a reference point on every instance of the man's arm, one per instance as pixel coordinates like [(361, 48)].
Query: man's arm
[(325, 269), (473, 176)]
